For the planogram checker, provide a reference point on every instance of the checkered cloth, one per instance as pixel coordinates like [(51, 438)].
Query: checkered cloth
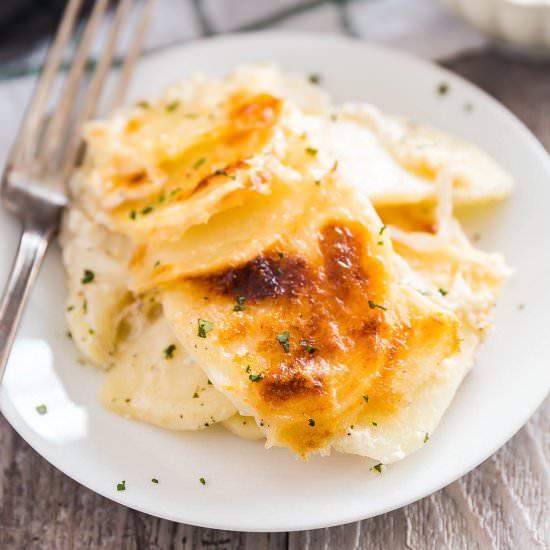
[(422, 27)]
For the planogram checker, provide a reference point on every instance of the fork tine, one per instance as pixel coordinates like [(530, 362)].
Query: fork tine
[(132, 56), (60, 117), (93, 94), (25, 142)]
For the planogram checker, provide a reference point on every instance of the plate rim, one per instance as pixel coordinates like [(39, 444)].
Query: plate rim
[(532, 143)]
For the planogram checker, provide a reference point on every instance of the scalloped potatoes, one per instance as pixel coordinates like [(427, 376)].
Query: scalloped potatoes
[(276, 243)]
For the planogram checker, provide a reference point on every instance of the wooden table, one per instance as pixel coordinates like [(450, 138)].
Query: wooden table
[(505, 503)]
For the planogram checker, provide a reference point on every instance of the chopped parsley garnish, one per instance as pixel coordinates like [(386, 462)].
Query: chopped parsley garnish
[(161, 198), (443, 88), (132, 215), (154, 480), (202, 480), (157, 263), (372, 305), (91, 331), (204, 328), (443, 292), (240, 303), (309, 348), (311, 422), (315, 78), (255, 377), (366, 398), (172, 106), (318, 182), (382, 229), (85, 306), (312, 151), (169, 351), (283, 339), (375, 423), (248, 369), (70, 308), (426, 437), (121, 486), (377, 468), (281, 255), (88, 277), (175, 191), (41, 409), (147, 209), (199, 163), (195, 395), (221, 173)]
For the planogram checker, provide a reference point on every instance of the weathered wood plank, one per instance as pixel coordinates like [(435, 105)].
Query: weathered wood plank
[(502, 504)]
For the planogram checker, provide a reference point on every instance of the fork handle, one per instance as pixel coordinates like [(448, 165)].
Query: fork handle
[(32, 248)]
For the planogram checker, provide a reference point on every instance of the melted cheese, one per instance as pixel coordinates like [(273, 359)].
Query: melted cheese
[(254, 192), (359, 342)]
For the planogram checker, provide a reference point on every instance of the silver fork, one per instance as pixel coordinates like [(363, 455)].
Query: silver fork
[(48, 144)]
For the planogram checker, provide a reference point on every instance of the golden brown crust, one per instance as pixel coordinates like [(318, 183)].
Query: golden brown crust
[(332, 338)]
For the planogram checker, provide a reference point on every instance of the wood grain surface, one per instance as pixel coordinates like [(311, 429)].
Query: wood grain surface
[(503, 504)]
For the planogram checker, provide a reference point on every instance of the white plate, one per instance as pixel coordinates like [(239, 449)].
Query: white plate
[(249, 488)]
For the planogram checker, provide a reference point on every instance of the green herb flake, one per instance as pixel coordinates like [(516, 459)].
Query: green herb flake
[(132, 214), (147, 209), (199, 163), (91, 331), (169, 351), (88, 277), (382, 229), (204, 328), (248, 370), (121, 486), (311, 422), (314, 78), (41, 409), (144, 105), (172, 106), (426, 437), (312, 151), (309, 348), (281, 255), (377, 468), (195, 395), (443, 292), (375, 423), (366, 398), (221, 173), (442, 89), (202, 480), (317, 183), (283, 339), (85, 305), (154, 480), (175, 191), (372, 305), (255, 377), (240, 303), (70, 308)]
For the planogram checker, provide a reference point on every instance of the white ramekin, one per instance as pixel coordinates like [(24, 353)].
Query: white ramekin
[(521, 24)]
